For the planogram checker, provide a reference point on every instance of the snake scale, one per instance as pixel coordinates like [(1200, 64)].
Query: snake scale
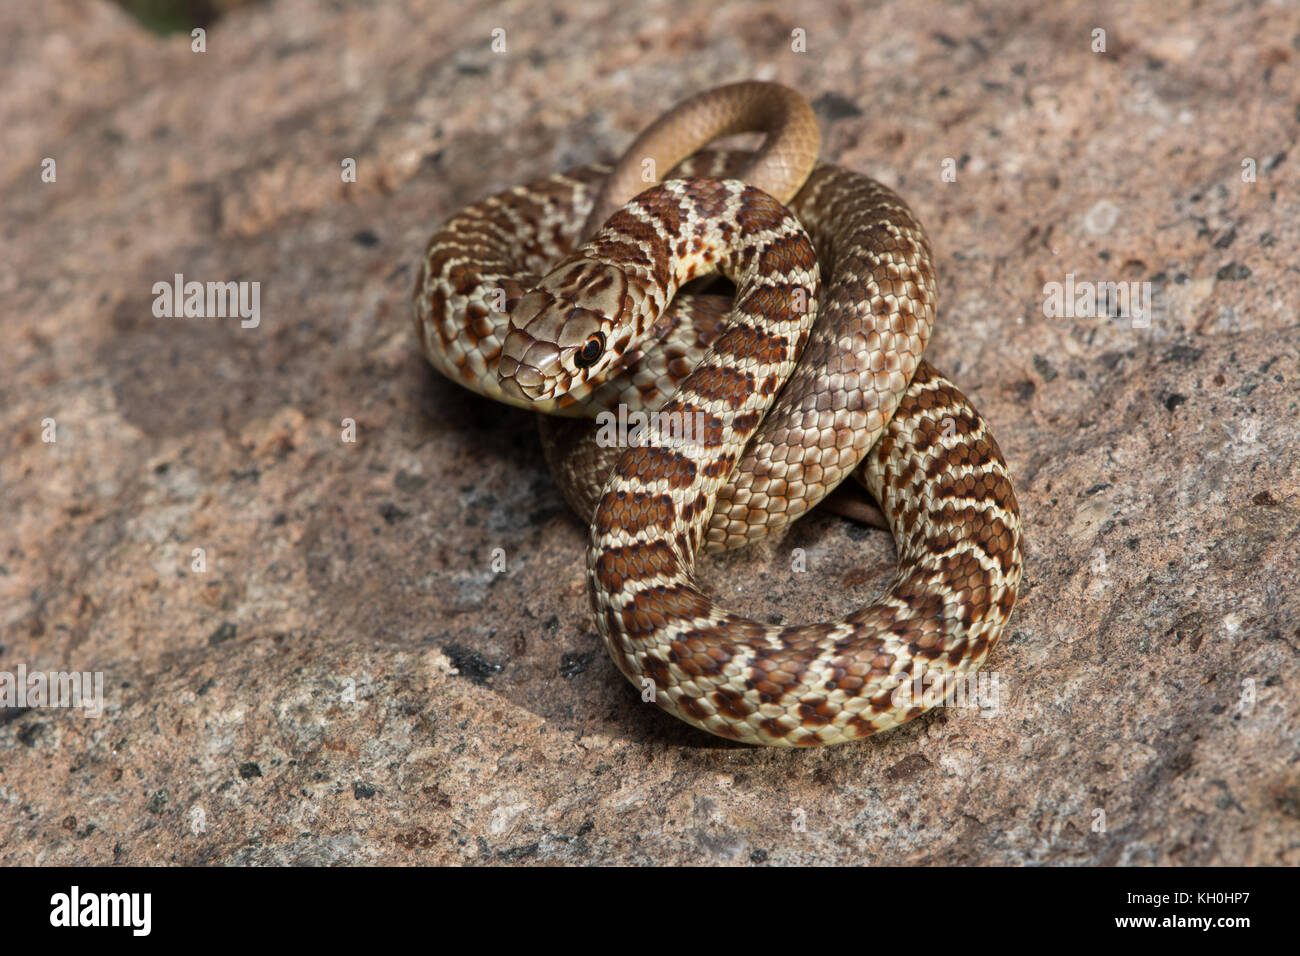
[(812, 374)]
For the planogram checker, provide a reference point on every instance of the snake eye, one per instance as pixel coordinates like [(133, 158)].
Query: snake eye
[(591, 350)]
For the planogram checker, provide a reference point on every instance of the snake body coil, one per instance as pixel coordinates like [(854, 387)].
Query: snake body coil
[(598, 331)]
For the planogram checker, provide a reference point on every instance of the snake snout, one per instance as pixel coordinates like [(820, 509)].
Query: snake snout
[(528, 369)]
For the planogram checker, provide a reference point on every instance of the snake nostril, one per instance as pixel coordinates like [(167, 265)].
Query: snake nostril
[(529, 379), (541, 359)]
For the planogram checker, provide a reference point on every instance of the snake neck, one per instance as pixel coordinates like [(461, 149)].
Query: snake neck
[(668, 236)]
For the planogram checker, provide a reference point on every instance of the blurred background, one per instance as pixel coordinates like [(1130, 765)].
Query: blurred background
[(171, 16)]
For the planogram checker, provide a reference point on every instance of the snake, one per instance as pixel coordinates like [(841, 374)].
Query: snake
[(563, 295)]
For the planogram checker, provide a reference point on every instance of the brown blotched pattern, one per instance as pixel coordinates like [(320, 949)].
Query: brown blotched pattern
[(858, 357), (860, 401)]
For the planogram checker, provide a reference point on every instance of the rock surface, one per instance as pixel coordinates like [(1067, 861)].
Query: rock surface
[(348, 680)]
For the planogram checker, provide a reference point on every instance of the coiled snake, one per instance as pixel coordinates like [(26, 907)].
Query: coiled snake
[(775, 436)]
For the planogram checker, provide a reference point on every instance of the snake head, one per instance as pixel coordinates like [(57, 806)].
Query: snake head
[(562, 332)]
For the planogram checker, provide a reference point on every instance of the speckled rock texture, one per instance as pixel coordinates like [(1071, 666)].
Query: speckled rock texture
[(349, 681)]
